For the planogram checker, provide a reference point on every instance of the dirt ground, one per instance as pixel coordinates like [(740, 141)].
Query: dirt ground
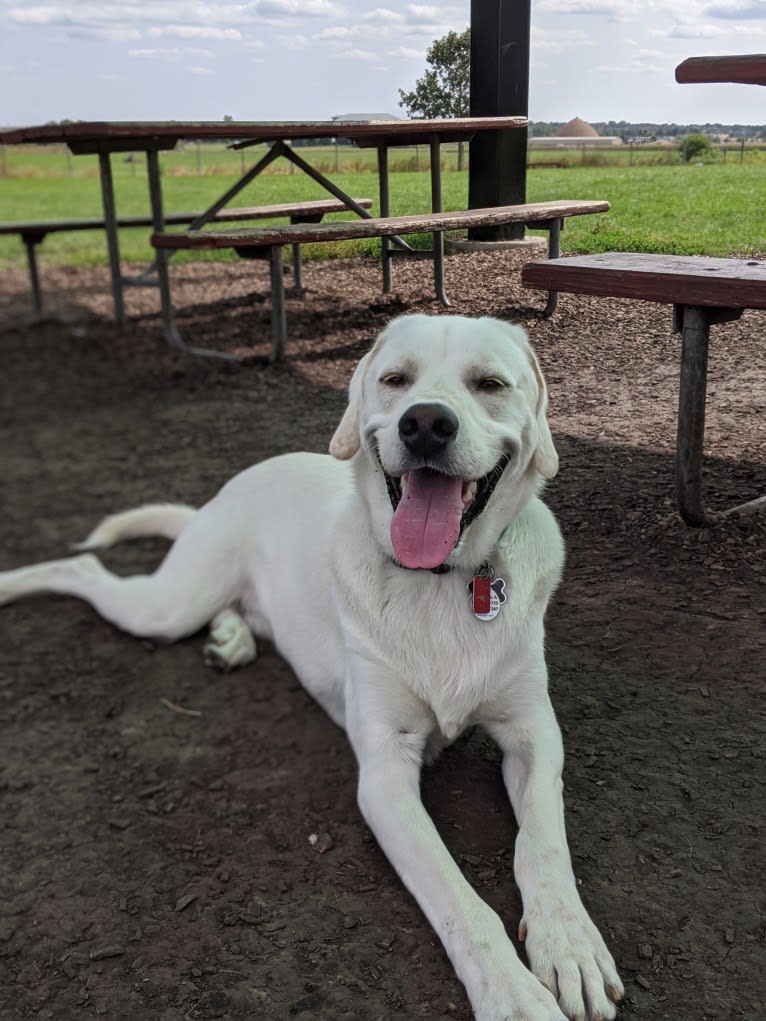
[(157, 849)]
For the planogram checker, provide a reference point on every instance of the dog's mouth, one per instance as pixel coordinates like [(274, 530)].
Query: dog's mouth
[(431, 511)]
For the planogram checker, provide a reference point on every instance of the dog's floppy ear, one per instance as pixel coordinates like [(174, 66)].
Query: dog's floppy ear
[(545, 459), (345, 441)]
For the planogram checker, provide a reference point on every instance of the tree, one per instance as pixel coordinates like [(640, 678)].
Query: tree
[(695, 146), (443, 91)]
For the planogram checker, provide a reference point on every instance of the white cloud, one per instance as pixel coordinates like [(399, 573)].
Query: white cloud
[(690, 31), (736, 10), (544, 39), (408, 53), (312, 44), (633, 67), (295, 42), (420, 12), (37, 15), (337, 32), (610, 8), (300, 8), (160, 52), (91, 13), (108, 33), (172, 52), (384, 14), (194, 32), (354, 54)]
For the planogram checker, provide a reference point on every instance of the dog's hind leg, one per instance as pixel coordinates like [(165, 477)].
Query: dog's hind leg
[(148, 606), (198, 579)]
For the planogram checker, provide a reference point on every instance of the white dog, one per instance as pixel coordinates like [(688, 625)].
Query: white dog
[(426, 562)]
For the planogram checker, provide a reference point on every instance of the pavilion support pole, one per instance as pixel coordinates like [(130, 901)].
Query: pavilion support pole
[(499, 86)]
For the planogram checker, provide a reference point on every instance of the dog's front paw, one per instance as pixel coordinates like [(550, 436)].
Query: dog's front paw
[(231, 643), (566, 952), (515, 995)]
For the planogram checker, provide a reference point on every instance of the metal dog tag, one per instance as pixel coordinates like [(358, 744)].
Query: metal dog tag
[(487, 594)]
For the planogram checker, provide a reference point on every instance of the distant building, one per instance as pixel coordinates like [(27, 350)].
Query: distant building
[(365, 118), (576, 128), (575, 134)]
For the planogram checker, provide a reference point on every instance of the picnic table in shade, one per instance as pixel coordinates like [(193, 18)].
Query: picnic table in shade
[(703, 291), (105, 138)]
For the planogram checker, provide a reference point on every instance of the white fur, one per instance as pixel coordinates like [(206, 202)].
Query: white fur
[(395, 656), (163, 519)]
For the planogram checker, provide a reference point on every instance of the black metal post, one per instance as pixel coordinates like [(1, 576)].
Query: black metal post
[(499, 87)]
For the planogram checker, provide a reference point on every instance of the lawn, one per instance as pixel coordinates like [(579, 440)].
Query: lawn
[(683, 209)]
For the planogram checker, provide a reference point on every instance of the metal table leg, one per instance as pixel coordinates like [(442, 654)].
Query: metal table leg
[(30, 243), (695, 329), (385, 210), (112, 240), (436, 207), (278, 317), (211, 212), (554, 250), (169, 327), (694, 322)]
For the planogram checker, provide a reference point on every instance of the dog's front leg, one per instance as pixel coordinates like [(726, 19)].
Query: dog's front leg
[(564, 948), (388, 729)]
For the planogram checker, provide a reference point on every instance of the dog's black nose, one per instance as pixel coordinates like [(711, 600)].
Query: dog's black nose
[(426, 429)]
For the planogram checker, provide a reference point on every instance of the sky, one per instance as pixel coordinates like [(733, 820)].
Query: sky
[(313, 59)]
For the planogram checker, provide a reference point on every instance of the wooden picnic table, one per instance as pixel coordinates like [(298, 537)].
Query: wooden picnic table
[(103, 138), (704, 291), (747, 69)]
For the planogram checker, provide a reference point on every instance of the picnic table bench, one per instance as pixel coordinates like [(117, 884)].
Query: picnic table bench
[(34, 232), (548, 216), (703, 291)]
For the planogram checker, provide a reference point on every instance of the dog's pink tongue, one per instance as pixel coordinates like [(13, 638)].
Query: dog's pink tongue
[(426, 524)]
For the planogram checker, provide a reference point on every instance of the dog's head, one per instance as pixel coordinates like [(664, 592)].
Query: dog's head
[(447, 417)]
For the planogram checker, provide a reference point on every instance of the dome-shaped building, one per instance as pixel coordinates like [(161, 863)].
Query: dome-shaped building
[(576, 128), (575, 134)]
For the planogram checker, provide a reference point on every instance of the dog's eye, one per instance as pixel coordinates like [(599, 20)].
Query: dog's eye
[(491, 384), (394, 379)]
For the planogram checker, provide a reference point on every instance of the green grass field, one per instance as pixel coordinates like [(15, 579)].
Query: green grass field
[(698, 209)]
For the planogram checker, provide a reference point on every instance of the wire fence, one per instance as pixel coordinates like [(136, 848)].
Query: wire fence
[(203, 159)]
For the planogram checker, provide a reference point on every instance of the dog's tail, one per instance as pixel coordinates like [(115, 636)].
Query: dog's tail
[(163, 519)]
